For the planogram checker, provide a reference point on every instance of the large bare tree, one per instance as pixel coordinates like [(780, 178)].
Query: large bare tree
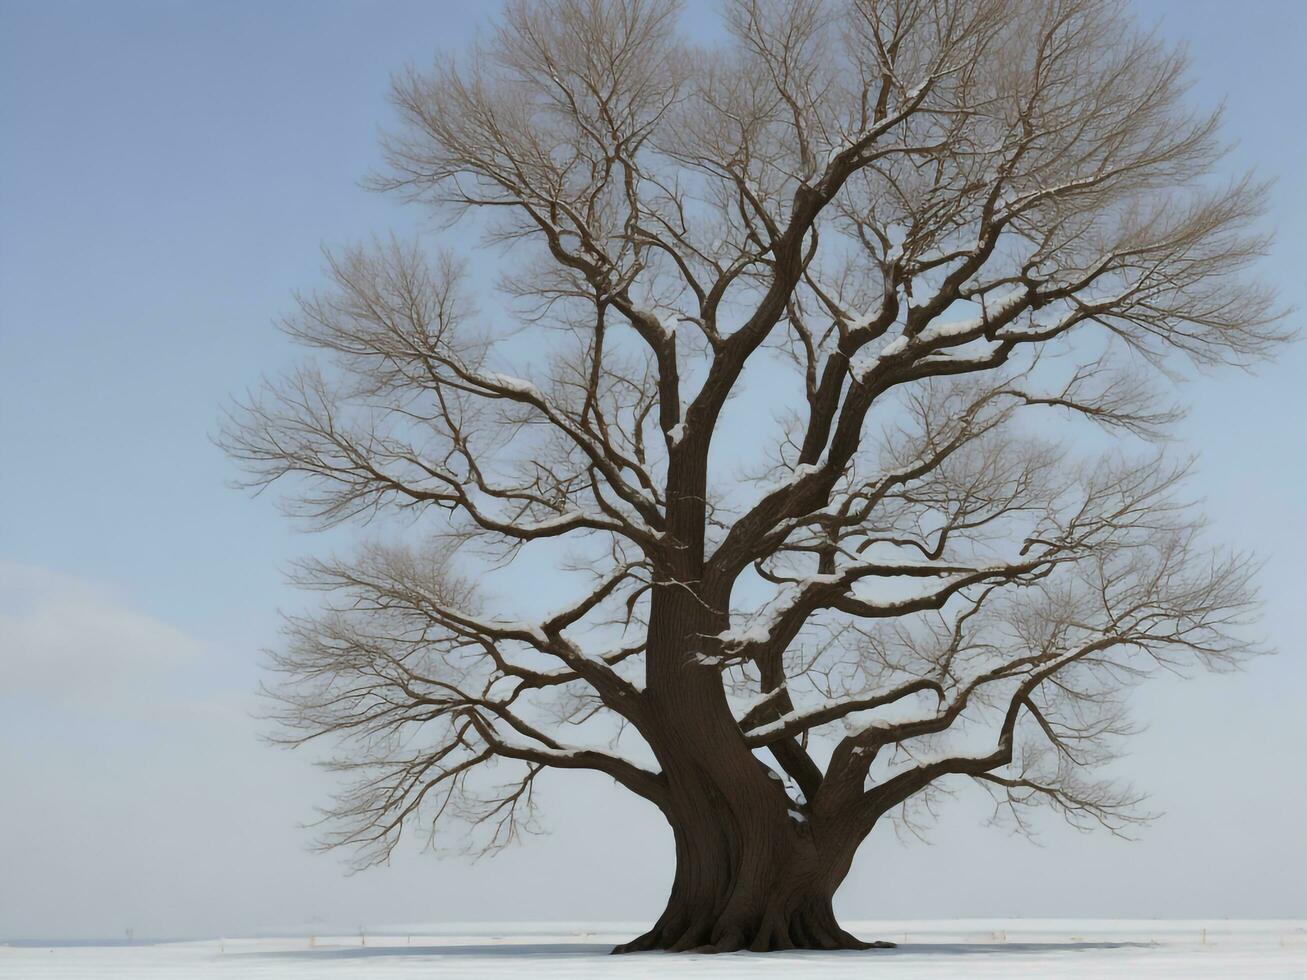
[(832, 352)]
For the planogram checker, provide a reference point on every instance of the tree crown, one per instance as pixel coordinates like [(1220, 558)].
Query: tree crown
[(882, 259)]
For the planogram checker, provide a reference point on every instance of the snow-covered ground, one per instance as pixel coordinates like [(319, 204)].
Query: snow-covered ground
[(1125, 948)]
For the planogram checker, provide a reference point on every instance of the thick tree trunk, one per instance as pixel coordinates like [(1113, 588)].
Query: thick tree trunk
[(745, 888), (754, 871)]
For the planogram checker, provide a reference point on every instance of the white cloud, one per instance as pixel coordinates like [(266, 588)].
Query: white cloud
[(74, 643)]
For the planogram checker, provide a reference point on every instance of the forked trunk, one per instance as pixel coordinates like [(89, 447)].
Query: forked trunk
[(743, 886), (753, 870)]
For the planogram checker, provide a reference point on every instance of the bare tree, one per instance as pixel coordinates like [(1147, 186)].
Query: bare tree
[(945, 239)]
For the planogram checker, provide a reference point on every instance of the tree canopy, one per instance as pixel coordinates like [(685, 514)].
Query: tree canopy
[(797, 343)]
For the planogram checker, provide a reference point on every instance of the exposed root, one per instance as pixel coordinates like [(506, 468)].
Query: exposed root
[(799, 933)]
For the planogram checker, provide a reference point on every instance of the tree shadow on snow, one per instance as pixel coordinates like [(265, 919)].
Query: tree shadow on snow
[(969, 949), (477, 949), (549, 950)]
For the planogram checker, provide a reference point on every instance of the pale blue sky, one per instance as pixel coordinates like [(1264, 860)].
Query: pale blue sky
[(168, 172)]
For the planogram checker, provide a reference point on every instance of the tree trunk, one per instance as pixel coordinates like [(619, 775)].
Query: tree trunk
[(754, 870), (747, 887)]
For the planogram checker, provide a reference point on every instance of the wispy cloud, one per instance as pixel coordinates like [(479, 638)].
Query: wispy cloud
[(72, 643)]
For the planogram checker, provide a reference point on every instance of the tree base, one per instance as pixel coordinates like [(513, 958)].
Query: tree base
[(638, 946), (803, 932)]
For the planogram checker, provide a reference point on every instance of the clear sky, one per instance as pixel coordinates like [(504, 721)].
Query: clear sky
[(168, 173)]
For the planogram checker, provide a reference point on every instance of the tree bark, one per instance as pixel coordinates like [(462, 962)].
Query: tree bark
[(749, 884), (754, 870)]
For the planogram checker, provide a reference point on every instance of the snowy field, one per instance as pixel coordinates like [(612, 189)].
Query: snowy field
[(1135, 949)]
